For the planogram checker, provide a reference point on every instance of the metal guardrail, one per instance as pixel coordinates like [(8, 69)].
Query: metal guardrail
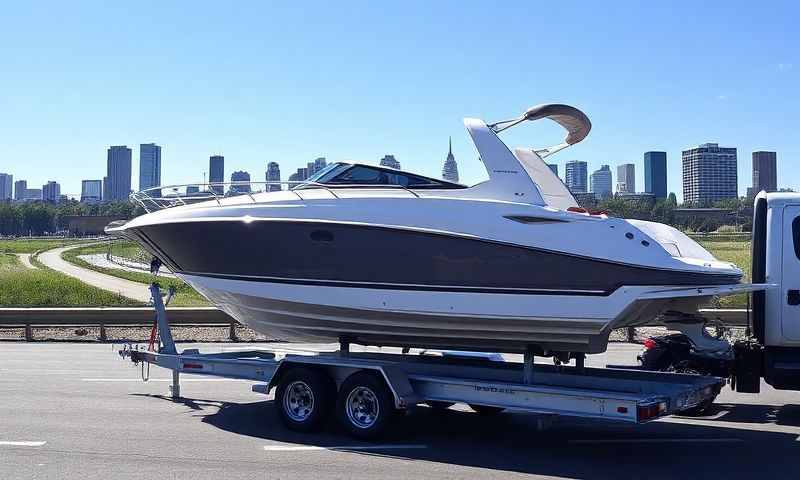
[(111, 317), (190, 317), (733, 317)]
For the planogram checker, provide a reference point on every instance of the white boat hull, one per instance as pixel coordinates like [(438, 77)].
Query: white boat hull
[(489, 322)]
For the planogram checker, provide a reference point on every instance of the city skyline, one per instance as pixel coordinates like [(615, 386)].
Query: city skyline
[(655, 181)]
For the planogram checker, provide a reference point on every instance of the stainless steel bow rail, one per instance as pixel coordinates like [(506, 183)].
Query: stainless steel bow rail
[(367, 389), (159, 198)]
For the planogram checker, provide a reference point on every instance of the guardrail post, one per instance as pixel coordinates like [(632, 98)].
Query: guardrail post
[(232, 333), (103, 336), (28, 333)]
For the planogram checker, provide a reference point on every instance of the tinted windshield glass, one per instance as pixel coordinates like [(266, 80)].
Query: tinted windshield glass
[(328, 172), (364, 175)]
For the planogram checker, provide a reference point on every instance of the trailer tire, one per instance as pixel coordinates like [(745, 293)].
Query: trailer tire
[(365, 406), (486, 410), (305, 398)]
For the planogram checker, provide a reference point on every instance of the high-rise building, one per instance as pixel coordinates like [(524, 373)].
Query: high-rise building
[(626, 178), (91, 191), (450, 168), (118, 176), (149, 166), (6, 186), (242, 182), (553, 168), (216, 173), (319, 164), (390, 162), (273, 175), (20, 187), (51, 192), (575, 176), (765, 172), (602, 183), (655, 174), (33, 194), (709, 174)]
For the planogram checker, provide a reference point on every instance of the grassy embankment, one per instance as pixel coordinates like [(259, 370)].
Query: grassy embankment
[(186, 296), (732, 250), (32, 245), (24, 287)]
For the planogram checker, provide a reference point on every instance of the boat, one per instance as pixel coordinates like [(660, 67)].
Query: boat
[(377, 256)]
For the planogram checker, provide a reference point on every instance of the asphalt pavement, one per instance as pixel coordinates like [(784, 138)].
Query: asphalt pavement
[(79, 411)]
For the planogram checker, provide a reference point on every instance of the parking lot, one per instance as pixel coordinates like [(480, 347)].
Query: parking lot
[(79, 411)]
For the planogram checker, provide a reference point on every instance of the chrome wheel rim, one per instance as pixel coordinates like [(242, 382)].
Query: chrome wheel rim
[(362, 407), (298, 401)]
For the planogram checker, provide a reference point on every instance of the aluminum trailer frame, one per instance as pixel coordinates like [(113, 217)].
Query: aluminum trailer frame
[(619, 394)]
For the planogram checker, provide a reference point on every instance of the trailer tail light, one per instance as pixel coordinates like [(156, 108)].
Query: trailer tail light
[(651, 411), (649, 343)]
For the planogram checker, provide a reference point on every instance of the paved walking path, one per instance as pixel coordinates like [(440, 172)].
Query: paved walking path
[(25, 260), (100, 260), (126, 288)]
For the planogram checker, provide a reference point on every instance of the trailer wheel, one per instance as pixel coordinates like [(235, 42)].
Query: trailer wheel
[(365, 406), (486, 409), (305, 399)]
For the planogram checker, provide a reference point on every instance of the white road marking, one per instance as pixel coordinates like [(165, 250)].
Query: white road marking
[(313, 448), (657, 440), (163, 380), (21, 444)]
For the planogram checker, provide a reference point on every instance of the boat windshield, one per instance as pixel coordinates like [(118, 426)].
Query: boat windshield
[(346, 174), (328, 172)]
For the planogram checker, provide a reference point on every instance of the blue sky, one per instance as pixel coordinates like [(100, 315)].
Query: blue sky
[(291, 81)]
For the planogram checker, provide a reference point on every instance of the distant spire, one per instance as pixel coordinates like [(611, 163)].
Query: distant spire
[(450, 151)]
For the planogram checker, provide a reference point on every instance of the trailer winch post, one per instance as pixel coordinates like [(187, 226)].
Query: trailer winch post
[(164, 332)]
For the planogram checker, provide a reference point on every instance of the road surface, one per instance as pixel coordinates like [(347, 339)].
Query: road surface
[(79, 411), (126, 288)]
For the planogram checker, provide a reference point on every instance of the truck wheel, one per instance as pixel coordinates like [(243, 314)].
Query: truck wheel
[(365, 406), (305, 399), (486, 409)]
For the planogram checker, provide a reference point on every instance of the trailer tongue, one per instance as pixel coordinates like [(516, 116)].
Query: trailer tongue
[(366, 390)]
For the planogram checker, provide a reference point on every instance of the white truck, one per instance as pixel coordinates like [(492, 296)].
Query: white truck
[(365, 391)]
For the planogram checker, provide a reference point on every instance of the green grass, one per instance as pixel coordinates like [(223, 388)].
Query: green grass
[(734, 251), (129, 250), (31, 245), (23, 287), (185, 296)]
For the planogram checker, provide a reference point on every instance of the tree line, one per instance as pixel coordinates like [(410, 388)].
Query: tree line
[(739, 212), (42, 218)]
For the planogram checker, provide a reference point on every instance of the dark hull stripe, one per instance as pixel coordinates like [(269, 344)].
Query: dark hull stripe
[(358, 255)]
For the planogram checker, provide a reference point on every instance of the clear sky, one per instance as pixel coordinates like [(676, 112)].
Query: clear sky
[(291, 81)]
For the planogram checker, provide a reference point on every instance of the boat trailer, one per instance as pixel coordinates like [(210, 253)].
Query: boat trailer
[(366, 390)]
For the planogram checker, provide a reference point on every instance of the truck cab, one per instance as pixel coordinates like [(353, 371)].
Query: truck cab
[(776, 311)]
